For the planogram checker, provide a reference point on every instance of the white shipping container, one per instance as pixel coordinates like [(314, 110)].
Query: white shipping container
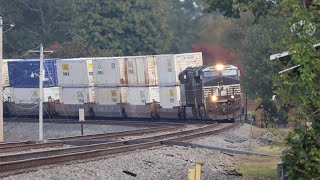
[(169, 66), (76, 95), (109, 72), (53, 92), (110, 96), (170, 96), (142, 71), (29, 95), (142, 95), (73, 72)]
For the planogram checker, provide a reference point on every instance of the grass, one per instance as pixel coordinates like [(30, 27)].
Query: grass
[(258, 167), (258, 171)]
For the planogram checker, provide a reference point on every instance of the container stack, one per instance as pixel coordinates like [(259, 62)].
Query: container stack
[(22, 80), (120, 81), (103, 86), (169, 67), (110, 84), (142, 80), (75, 81)]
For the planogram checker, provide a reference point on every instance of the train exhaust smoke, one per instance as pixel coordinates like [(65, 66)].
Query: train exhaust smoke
[(214, 54)]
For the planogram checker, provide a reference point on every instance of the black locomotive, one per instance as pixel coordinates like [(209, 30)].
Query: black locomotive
[(213, 92)]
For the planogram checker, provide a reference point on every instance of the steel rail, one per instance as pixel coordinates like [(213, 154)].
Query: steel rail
[(10, 144), (97, 146), (121, 133), (22, 146), (128, 122), (92, 153), (25, 147)]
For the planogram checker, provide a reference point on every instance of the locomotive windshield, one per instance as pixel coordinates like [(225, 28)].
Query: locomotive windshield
[(230, 72), (210, 74)]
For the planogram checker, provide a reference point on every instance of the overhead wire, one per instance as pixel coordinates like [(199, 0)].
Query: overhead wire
[(51, 80), (15, 98), (13, 104), (28, 51), (54, 127)]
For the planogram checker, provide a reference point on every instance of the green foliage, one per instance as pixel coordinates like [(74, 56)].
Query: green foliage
[(300, 91), (227, 32), (123, 27), (120, 27), (231, 8), (77, 49), (36, 22), (303, 159), (256, 48), (183, 20)]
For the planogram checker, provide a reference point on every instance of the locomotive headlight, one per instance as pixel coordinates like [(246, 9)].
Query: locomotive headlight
[(232, 96), (214, 98), (219, 67)]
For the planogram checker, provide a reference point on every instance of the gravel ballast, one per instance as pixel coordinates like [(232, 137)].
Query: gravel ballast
[(238, 138), (17, 131), (157, 163)]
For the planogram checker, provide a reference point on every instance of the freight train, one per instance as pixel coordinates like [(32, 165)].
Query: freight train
[(175, 86)]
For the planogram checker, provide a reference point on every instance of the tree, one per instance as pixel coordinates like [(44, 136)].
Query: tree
[(123, 27), (231, 8), (301, 91), (183, 19), (260, 41), (36, 22), (77, 49)]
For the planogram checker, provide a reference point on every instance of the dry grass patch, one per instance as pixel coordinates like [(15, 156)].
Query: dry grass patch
[(258, 132), (258, 167), (263, 167), (272, 150)]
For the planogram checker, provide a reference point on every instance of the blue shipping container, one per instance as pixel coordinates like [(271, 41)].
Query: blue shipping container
[(25, 73)]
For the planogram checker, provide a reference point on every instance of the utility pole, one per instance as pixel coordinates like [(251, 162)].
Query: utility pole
[(41, 92), (1, 85), (246, 115), (41, 95)]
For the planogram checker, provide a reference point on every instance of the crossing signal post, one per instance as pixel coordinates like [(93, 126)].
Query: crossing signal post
[(81, 119)]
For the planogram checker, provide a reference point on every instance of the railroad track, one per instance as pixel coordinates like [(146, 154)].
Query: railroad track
[(127, 122), (119, 122), (29, 160), (59, 142)]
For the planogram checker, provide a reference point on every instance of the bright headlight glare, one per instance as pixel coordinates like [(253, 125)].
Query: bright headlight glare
[(232, 96), (214, 98), (219, 67)]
